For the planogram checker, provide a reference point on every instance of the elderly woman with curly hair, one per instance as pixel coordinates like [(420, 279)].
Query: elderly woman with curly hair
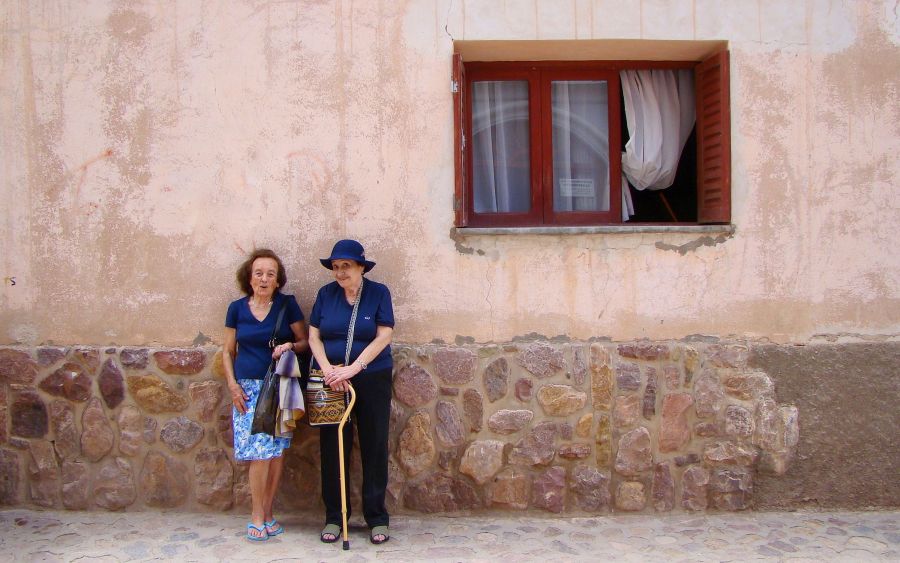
[(250, 325)]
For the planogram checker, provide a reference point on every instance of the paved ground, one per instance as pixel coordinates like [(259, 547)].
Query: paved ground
[(140, 536)]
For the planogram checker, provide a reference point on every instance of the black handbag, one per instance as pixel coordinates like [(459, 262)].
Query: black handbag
[(268, 400)]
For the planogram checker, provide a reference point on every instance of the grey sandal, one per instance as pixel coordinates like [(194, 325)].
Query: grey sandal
[(330, 530), (379, 531)]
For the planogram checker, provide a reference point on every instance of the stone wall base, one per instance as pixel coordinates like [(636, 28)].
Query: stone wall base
[(591, 427)]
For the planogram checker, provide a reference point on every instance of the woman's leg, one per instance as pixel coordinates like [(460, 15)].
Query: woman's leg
[(259, 471), (373, 414), (276, 465)]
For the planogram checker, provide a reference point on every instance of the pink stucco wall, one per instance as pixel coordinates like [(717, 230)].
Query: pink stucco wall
[(146, 146)]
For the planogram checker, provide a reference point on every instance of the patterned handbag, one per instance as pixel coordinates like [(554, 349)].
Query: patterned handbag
[(324, 405)]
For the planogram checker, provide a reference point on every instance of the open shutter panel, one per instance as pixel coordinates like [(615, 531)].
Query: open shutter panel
[(458, 86), (713, 140)]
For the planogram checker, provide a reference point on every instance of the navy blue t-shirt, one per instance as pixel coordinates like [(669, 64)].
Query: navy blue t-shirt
[(331, 315), (253, 352)]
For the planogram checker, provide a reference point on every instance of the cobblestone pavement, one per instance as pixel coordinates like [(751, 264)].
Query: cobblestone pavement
[(27, 535)]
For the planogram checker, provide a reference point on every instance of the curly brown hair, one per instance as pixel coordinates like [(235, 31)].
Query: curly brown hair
[(246, 269)]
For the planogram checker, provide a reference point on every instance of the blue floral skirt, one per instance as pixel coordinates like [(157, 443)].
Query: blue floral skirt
[(252, 447)]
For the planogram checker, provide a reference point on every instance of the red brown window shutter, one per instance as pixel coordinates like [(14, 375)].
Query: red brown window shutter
[(458, 85), (713, 140)]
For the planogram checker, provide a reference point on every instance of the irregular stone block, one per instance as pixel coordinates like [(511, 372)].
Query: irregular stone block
[(473, 410), (749, 386), (47, 355), (634, 455), (604, 441), (579, 367), (574, 451), (414, 387), (584, 424), (449, 427), (628, 377), (28, 415), (691, 364), (777, 434), (673, 377), (590, 488), (565, 430), (163, 481), (44, 474), (630, 496), (626, 410), (69, 381), (217, 366), (649, 403), (682, 460), (4, 414), (738, 422), (112, 384), (727, 356), (9, 477), (416, 449), (541, 360), (181, 434), (708, 429), (180, 362), (482, 459), (509, 421), (663, 489), (154, 395), (560, 400), (89, 358), (65, 434), (729, 453), (694, 484), (97, 435), (441, 493), (674, 431), (548, 490), (523, 389), (601, 387), (224, 425), (114, 486), (511, 488), (214, 478), (731, 489), (134, 358), (76, 485), (17, 367), (708, 395), (447, 459), (455, 366), (538, 447), (496, 379), (131, 430), (449, 391), (206, 396), (645, 350), (150, 425)]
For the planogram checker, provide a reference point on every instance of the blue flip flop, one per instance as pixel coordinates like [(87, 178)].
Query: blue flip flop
[(251, 537), (273, 528)]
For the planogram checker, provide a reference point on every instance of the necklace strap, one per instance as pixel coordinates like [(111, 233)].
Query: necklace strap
[(352, 326)]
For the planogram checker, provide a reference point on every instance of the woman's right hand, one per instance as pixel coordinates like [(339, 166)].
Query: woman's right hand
[(238, 397)]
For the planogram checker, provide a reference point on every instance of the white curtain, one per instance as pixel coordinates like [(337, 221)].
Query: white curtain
[(659, 110)]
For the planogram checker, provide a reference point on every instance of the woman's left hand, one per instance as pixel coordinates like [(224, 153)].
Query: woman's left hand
[(339, 375), (281, 349)]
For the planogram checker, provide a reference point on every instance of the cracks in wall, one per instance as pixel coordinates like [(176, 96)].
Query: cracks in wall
[(695, 244), (447, 21), (460, 247)]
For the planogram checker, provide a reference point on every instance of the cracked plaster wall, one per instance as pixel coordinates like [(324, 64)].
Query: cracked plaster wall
[(145, 147)]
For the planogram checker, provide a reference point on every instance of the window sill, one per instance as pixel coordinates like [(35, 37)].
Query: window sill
[(594, 230)]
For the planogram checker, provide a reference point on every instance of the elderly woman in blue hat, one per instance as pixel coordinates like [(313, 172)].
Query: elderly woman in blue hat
[(370, 368)]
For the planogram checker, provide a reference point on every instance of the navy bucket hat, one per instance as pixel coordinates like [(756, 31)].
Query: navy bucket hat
[(348, 250)]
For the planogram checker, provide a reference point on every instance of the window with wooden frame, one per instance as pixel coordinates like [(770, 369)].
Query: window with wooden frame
[(540, 144)]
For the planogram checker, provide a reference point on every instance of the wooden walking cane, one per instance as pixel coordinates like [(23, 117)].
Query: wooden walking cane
[(344, 418)]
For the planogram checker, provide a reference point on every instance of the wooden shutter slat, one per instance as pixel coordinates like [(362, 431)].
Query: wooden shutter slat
[(711, 81), (458, 78)]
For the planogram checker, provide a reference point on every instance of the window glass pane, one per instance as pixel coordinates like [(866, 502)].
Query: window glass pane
[(580, 145), (501, 167)]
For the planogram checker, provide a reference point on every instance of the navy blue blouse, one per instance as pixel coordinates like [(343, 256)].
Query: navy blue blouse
[(331, 315), (253, 352)]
